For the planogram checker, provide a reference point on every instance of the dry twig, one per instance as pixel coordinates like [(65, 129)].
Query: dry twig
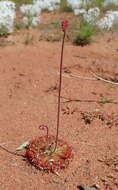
[(79, 100), (95, 78), (104, 80)]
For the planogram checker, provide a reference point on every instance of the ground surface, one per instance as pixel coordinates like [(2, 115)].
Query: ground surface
[(28, 98)]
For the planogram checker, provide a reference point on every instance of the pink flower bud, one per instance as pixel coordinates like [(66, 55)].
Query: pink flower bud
[(64, 25)]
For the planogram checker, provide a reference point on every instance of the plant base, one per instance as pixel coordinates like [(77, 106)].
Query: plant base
[(42, 154)]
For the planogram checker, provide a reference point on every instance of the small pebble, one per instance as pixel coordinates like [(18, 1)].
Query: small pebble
[(83, 187)]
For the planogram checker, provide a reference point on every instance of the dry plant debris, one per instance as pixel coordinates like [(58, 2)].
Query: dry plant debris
[(109, 119), (111, 162)]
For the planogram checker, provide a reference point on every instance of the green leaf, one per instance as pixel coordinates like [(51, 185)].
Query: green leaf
[(22, 146)]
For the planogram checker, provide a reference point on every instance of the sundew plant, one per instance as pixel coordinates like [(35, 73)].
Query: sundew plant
[(50, 153)]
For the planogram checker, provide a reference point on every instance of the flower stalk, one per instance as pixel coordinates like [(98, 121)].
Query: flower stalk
[(64, 26)]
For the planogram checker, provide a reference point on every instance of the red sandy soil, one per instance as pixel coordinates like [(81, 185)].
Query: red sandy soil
[(28, 98)]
